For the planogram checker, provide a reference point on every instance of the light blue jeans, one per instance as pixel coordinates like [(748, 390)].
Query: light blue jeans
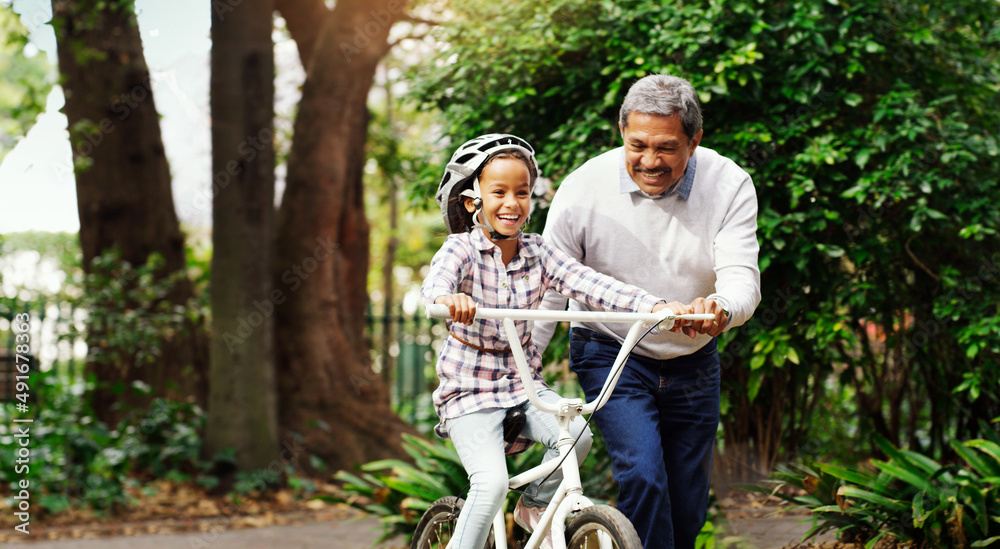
[(478, 438)]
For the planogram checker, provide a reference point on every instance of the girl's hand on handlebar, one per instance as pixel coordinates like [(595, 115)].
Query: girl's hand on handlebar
[(460, 306)]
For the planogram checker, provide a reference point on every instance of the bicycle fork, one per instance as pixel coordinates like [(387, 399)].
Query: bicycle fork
[(569, 494)]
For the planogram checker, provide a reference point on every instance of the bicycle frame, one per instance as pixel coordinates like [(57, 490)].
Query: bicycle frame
[(569, 495)]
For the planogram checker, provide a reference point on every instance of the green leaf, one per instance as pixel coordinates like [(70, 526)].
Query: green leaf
[(871, 543), (54, 503), (355, 483), (991, 449), (384, 464), (971, 351), (918, 510), (860, 159), (976, 506), (424, 479), (908, 473), (413, 489), (793, 355), (753, 385), (927, 465), (850, 475), (880, 500)]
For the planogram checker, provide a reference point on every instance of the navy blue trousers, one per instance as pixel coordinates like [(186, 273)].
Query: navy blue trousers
[(659, 426)]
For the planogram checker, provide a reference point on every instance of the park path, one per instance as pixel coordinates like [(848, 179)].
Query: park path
[(356, 531), (350, 533)]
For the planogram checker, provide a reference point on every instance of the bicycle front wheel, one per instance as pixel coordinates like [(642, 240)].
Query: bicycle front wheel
[(437, 526), (603, 527)]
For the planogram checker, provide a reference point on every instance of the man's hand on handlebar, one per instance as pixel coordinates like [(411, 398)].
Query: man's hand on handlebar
[(694, 327), (460, 306)]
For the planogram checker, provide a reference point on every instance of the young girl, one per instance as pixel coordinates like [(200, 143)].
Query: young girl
[(485, 198)]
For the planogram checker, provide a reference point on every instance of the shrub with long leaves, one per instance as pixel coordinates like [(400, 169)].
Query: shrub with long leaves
[(908, 497), (399, 492)]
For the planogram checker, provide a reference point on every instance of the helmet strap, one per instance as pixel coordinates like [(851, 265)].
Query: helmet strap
[(479, 220)]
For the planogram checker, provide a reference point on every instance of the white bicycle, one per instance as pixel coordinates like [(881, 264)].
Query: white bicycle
[(575, 521)]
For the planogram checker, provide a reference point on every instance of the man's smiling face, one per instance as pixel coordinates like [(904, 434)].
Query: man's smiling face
[(656, 150)]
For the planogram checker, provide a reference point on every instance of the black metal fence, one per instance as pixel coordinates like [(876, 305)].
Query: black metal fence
[(50, 330), (403, 352), (401, 346)]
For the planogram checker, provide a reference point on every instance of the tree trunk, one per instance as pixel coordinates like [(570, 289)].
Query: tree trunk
[(242, 407), (392, 244), (328, 392), (123, 193)]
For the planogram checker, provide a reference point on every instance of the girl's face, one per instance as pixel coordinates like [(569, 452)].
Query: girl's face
[(505, 184)]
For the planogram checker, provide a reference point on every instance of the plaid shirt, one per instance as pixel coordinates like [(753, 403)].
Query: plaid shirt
[(468, 263)]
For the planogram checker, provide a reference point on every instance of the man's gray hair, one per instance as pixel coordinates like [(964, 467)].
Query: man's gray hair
[(664, 95)]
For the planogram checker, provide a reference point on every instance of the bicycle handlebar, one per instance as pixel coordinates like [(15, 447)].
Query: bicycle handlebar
[(510, 315), (441, 311)]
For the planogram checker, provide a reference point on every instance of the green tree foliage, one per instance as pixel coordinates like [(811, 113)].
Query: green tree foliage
[(398, 155), (870, 129), (25, 83)]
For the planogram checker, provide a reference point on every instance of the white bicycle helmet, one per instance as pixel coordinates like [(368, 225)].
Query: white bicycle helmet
[(461, 178)]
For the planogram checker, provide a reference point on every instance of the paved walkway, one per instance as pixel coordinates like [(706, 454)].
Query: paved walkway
[(353, 533), (777, 532), (360, 532)]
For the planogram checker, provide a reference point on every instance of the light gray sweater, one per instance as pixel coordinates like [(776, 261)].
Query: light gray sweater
[(676, 247)]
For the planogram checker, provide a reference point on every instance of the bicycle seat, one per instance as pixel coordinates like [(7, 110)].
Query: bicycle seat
[(513, 424)]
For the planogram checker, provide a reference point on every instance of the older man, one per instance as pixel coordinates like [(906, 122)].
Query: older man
[(678, 220)]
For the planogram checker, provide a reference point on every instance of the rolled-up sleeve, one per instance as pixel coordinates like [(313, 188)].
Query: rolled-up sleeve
[(446, 270)]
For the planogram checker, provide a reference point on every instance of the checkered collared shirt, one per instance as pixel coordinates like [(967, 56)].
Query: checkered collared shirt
[(471, 379)]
